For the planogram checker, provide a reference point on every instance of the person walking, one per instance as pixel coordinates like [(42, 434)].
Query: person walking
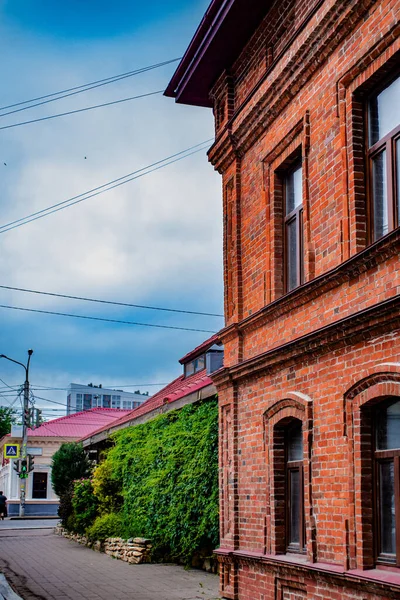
[(3, 506)]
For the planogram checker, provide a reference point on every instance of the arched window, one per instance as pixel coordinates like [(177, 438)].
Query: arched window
[(387, 480), (289, 522), (295, 530)]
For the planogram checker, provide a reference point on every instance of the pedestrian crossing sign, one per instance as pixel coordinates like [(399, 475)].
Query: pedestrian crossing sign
[(11, 450)]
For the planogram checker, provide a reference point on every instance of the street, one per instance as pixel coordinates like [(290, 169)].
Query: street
[(41, 565)]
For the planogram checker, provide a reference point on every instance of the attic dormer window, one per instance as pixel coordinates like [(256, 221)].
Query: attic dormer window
[(195, 365)]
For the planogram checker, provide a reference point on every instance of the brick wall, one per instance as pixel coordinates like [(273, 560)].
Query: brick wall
[(326, 351)]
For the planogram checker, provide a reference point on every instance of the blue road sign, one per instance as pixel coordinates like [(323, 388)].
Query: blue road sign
[(11, 450)]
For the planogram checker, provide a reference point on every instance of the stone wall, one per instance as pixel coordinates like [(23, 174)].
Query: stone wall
[(133, 550)]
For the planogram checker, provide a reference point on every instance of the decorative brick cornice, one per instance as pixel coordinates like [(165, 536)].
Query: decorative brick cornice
[(325, 37), (366, 324), (333, 574), (371, 257)]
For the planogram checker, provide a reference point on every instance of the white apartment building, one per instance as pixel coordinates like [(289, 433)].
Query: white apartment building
[(84, 397)]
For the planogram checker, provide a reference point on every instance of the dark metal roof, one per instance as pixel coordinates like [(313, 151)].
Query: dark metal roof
[(224, 30)]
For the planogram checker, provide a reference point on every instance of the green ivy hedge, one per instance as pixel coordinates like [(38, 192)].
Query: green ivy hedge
[(161, 479)]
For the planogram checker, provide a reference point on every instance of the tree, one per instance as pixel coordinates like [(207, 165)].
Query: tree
[(8, 416), (69, 463)]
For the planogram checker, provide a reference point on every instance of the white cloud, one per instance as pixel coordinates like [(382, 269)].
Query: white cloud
[(142, 235), (156, 240)]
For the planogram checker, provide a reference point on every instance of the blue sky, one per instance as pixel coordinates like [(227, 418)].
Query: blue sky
[(156, 241)]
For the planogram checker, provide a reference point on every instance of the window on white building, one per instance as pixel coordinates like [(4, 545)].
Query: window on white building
[(39, 485), (78, 402), (116, 402), (87, 401)]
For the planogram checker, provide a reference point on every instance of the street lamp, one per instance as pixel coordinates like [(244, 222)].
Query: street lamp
[(24, 427)]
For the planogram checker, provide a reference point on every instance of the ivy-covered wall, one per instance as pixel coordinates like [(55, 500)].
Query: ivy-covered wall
[(160, 481)]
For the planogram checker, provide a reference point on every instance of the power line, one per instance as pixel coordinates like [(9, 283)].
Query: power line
[(105, 184), (79, 110), (104, 387), (60, 314), (55, 433), (66, 405), (47, 409), (82, 88), (174, 310), (6, 384), (11, 393), (115, 385), (48, 400), (10, 404), (109, 185)]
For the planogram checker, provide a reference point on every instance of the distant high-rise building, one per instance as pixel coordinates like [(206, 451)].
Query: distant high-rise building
[(84, 397)]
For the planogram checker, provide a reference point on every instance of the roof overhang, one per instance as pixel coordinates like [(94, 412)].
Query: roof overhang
[(201, 394), (224, 30)]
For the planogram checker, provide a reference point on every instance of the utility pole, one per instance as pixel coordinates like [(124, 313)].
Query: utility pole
[(25, 424)]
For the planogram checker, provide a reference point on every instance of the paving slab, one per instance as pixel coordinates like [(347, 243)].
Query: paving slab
[(40, 565)]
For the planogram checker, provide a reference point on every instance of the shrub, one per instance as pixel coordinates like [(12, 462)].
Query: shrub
[(8, 416), (69, 463), (65, 510), (84, 504), (71, 524), (105, 526)]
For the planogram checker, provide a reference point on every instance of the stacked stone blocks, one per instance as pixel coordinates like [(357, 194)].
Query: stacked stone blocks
[(134, 550)]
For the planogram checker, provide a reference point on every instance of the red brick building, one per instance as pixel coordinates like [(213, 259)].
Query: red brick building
[(306, 99)]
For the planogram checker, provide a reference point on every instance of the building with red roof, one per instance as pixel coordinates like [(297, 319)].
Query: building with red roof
[(193, 385), (43, 442)]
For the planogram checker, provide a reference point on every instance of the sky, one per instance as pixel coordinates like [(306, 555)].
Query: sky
[(156, 241)]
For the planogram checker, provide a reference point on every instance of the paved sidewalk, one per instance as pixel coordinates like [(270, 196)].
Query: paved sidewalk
[(28, 524), (40, 565)]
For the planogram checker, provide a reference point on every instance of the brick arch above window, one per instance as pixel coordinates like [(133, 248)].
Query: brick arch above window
[(378, 374), (380, 380), (293, 404)]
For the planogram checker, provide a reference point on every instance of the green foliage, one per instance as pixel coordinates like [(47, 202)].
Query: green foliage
[(108, 525), (8, 416), (65, 510), (107, 487), (166, 471), (69, 463), (84, 504)]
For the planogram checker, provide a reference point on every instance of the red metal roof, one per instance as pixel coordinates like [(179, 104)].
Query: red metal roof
[(79, 424), (179, 388)]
